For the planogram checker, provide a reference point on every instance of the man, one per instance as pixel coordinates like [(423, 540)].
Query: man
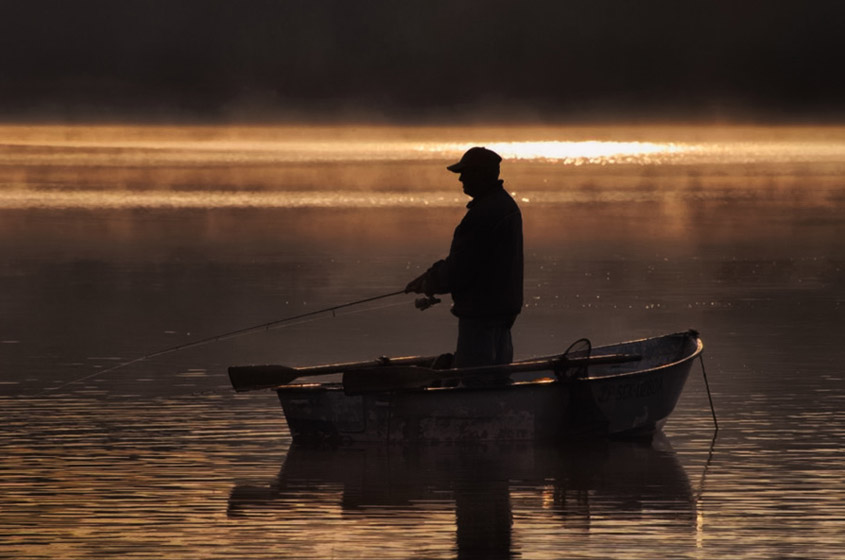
[(483, 271)]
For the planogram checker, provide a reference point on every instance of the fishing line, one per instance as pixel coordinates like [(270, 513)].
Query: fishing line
[(228, 336), (303, 322)]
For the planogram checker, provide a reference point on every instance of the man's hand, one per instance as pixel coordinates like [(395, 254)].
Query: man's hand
[(418, 285)]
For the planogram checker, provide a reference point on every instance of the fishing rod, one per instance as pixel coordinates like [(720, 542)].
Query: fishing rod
[(421, 303)]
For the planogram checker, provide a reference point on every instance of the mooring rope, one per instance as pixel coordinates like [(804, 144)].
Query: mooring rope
[(707, 386)]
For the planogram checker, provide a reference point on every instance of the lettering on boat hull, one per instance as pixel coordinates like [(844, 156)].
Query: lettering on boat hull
[(630, 390)]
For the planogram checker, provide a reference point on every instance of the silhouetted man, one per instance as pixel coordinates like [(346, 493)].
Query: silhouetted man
[(483, 271)]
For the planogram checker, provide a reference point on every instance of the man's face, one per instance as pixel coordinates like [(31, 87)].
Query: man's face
[(474, 180)]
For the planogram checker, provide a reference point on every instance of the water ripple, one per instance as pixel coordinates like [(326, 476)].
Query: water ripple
[(194, 477)]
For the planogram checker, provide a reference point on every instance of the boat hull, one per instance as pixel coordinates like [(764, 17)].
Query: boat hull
[(610, 400)]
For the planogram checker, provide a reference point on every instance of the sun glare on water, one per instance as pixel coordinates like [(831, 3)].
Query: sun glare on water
[(584, 152)]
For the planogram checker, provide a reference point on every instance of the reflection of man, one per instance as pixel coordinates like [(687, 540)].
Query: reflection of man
[(483, 271)]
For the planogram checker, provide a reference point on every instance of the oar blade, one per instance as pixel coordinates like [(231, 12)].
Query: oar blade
[(251, 378)]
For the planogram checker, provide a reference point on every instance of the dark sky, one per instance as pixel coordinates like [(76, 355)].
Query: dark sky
[(556, 60)]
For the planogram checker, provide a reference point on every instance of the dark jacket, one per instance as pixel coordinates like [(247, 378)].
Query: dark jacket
[(483, 271)]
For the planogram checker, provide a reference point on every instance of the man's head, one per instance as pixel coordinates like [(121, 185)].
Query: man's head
[(479, 170)]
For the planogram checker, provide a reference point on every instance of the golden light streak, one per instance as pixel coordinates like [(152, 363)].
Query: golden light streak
[(580, 152)]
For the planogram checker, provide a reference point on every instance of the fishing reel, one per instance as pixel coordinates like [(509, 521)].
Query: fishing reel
[(424, 303)]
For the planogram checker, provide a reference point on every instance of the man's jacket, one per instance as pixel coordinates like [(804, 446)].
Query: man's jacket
[(483, 271)]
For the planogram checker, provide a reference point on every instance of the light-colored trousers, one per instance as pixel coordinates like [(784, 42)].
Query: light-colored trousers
[(483, 342)]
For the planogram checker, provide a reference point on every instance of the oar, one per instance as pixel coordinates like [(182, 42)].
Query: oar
[(250, 378), (403, 377)]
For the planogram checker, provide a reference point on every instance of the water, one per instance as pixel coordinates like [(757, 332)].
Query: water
[(117, 242)]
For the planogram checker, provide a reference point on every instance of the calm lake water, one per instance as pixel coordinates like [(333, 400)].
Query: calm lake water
[(118, 242)]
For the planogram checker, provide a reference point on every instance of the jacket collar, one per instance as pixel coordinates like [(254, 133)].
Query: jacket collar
[(493, 189)]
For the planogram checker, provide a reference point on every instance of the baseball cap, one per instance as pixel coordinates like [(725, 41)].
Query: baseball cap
[(476, 157)]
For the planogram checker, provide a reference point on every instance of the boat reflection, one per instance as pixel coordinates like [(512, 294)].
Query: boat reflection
[(487, 487)]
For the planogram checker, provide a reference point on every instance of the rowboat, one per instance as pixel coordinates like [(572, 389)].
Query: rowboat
[(627, 389)]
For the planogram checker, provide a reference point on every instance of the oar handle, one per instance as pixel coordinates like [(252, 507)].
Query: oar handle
[(397, 378), (534, 365)]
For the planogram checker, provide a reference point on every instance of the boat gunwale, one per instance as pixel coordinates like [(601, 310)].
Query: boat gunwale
[(698, 350), (540, 381)]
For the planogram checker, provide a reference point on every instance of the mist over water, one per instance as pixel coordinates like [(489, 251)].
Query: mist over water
[(116, 242), (288, 167)]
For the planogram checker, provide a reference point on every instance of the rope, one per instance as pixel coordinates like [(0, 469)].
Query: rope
[(709, 397)]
